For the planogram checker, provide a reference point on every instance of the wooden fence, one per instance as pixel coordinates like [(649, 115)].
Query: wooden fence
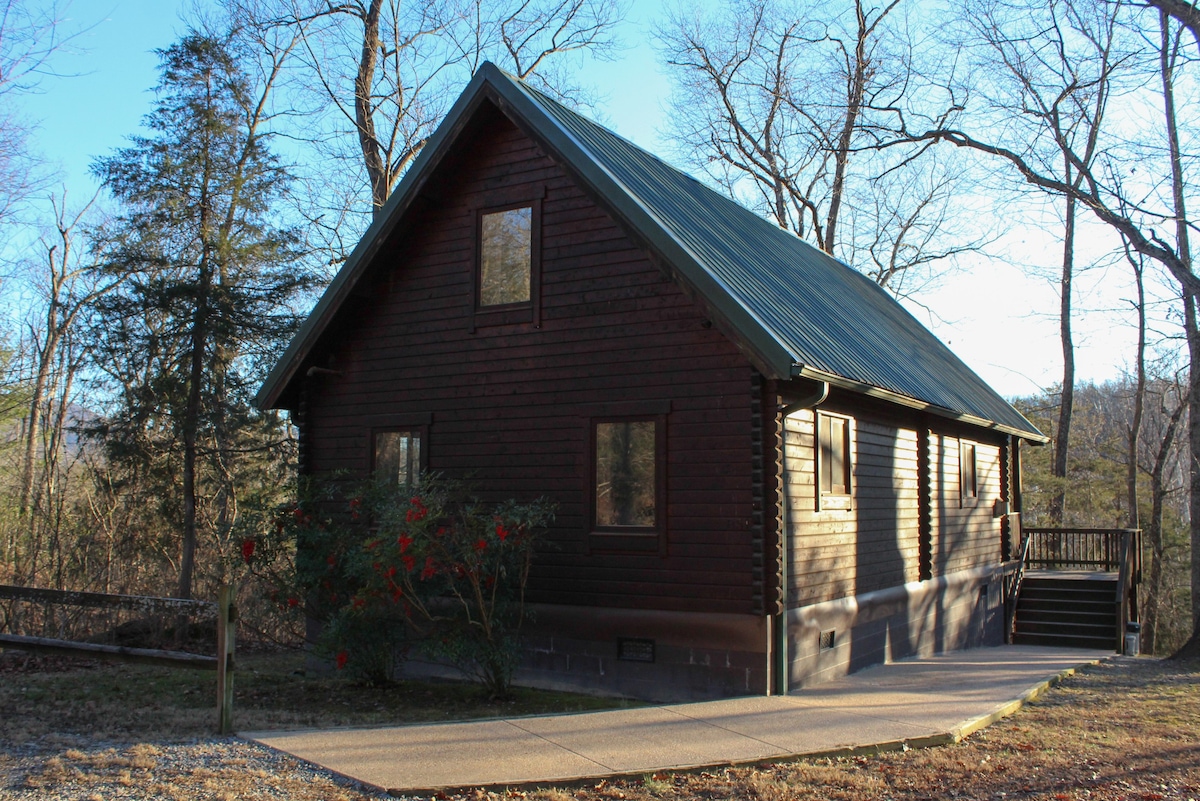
[(223, 609)]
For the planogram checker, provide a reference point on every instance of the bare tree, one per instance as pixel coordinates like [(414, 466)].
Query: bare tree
[(29, 35), (68, 286), (381, 73), (1185, 13), (785, 104), (1033, 52), (1137, 184)]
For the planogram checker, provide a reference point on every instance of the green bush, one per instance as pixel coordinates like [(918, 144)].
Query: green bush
[(428, 566)]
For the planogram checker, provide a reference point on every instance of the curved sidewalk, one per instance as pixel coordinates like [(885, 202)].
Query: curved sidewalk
[(913, 703)]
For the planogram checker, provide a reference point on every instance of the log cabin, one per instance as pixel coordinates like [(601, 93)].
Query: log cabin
[(767, 472)]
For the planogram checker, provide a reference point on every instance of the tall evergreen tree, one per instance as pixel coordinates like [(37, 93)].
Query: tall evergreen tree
[(207, 277)]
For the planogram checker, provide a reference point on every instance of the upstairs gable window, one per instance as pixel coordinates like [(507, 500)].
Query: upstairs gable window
[(506, 257)]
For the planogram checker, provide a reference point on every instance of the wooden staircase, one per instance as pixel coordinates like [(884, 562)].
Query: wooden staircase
[(1068, 611)]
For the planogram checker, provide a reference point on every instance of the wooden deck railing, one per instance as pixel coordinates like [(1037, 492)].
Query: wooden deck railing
[(1080, 548), (1110, 550), (1012, 588)]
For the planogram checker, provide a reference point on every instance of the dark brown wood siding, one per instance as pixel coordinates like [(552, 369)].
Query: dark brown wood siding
[(838, 553), (508, 405), (964, 532)]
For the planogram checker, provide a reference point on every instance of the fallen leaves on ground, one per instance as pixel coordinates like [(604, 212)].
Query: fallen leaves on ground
[(1125, 730)]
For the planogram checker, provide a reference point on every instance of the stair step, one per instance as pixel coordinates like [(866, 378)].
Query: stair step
[(1056, 614), (1085, 608), (1077, 629), (1065, 583), (1067, 612), (1070, 594), (1066, 641)]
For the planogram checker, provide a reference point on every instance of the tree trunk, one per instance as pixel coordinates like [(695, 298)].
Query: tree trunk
[(1193, 428), (1167, 56), (373, 159), (1062, 436), (1158, 495), (855, 86), (191, 431), (45, 358), (1139, 396), (1150, 604)]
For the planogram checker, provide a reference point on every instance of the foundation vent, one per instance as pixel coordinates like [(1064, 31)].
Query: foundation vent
[(827, 640), (635, 650)]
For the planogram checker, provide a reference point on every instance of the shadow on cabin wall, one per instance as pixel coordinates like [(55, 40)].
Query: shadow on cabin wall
[(879, 560), (882, 610)]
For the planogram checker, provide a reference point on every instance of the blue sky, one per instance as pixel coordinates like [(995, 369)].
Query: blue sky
[(997, 318)]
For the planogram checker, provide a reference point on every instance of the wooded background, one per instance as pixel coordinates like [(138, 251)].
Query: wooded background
[(906, 138)]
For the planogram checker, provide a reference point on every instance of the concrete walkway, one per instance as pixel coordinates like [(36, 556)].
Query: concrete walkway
[(913, 703)]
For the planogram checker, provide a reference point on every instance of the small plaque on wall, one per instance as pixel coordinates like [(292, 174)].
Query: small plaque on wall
[(635, 650)]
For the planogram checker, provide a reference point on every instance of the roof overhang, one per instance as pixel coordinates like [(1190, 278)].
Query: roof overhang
[(801, 371), (769, 353)]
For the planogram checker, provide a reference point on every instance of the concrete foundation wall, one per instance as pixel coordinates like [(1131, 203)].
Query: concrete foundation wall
[(702, 656), (921, 618), (695, 655)]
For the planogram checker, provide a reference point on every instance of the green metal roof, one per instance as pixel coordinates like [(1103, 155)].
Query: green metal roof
[(798, 310)]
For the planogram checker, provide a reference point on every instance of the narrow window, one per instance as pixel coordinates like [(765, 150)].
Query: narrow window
[(833, 461), (505, 257), (397, 456), (626, 474), (968, 482)]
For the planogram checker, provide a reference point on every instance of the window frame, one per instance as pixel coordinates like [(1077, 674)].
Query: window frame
[(826, 501), (418, 432), (631, 539), (526, 311), (968, 496)]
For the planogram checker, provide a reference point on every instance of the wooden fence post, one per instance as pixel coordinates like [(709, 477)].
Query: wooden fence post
[(226, 629)]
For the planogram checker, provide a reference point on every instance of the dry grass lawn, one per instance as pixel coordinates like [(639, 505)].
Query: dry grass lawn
[(1128, 729)]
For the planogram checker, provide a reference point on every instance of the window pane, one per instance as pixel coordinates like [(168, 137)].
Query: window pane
[(397, 456), (505, 256), (823, 440), (969, 485), (839, 485), (625, 480), (833, 439)]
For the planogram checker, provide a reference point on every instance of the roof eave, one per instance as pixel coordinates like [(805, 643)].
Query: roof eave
[(803, 371)]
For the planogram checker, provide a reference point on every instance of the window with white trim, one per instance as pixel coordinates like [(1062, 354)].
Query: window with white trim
[(834, 462)]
